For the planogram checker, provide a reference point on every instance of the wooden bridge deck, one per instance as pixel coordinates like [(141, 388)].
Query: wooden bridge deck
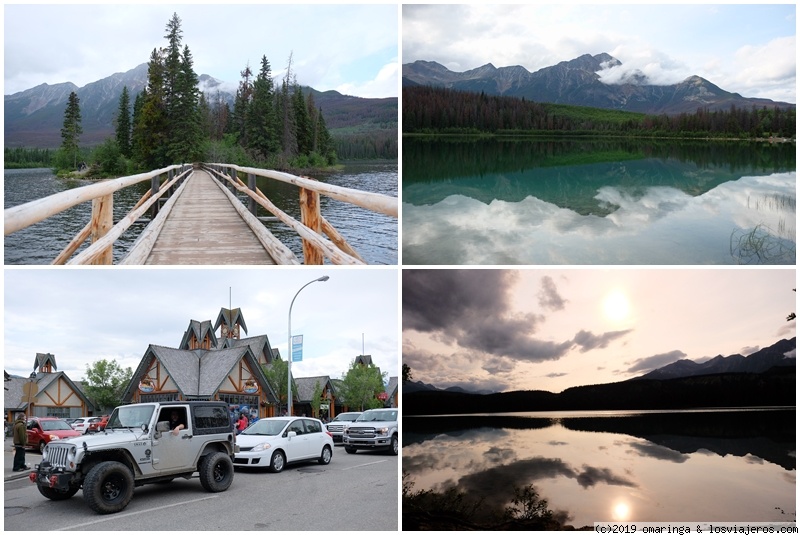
[(204, 228)]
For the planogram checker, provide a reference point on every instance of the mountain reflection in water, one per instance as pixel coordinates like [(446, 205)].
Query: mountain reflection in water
[(596, 202), (736, 465)]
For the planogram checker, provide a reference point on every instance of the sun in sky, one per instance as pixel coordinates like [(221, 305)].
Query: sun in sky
[(616, 306)]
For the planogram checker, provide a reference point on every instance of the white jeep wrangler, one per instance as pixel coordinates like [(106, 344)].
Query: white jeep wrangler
[(142, 443)]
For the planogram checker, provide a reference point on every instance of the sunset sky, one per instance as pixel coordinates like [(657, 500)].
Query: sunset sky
[(749, 49), (550, 329)]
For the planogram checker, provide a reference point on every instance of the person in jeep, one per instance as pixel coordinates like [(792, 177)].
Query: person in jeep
[(175, 423)]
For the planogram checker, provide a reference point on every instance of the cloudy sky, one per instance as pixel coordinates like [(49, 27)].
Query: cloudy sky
[(82, 316), (749, 49), (352, 49), (550, 329)]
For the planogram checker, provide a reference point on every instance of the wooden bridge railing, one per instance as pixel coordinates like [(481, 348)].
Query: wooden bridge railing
[(312, 224), (104, 233), (100, 228)]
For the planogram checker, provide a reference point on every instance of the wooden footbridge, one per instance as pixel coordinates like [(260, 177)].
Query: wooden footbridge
[(196, 218)]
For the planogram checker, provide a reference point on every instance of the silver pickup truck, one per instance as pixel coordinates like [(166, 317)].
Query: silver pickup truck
[(374, 429)]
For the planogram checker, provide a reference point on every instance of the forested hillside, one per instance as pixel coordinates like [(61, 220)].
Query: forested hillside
[(439, 110)]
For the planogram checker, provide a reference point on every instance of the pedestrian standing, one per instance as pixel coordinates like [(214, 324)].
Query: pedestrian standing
[(20, 441)]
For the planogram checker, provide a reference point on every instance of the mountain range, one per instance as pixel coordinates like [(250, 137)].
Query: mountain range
[(580, 82), (779, 354), (34, 117)]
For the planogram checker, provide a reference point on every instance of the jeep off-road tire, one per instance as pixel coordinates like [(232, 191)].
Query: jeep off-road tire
[(57, 495), (108, 487), (216, 472), (278, 462), (326, 456)]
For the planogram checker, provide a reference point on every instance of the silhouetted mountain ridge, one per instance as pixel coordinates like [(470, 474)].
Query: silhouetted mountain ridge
[(774, 386)]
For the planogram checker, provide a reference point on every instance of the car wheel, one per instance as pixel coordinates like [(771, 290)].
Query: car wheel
[(57, 495), (394, 446), (350, 449), (108, 488), (278, 462), (216, 472), (42, 445), (327, 455)]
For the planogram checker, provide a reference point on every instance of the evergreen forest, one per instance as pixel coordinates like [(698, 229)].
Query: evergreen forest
[(434, 110)]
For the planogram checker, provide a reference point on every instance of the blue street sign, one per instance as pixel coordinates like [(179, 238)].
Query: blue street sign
[(297, 348)]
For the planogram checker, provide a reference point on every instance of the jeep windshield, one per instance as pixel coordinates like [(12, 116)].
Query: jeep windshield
[(131, 417)]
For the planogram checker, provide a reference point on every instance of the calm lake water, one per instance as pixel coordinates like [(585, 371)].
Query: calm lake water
[(497, 202), (374, 236), (726, 465)]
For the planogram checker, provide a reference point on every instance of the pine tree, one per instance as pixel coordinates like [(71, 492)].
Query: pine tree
[(261, 120), (150, 128), (302, 121), (185, 130), (241, 107), (285, 109), (72, 130), (124, 123)]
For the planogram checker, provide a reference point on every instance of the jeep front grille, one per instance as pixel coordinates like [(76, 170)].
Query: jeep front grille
[(57, 455)]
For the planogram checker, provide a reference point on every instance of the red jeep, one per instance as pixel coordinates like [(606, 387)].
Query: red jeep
[(42, 430)]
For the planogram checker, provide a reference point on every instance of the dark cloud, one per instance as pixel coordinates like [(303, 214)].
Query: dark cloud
[(444, 300), (549, 297), (472, 308), (648, 364), (554, 375), (588, 341)]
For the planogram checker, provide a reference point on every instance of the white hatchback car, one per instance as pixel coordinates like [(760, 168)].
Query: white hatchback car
[(274, 442)]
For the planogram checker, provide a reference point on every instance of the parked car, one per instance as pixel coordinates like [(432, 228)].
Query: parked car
[(337, 426), (275, 442), (375, 429), (98, 424), (41, 431), (81, 424)]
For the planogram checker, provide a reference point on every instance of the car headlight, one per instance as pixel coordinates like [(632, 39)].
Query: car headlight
[(382, 431), (263, 446), (53, 437)]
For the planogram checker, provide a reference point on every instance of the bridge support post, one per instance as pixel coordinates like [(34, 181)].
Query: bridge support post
[(251, 184), (312, 218), (154, 185), (102, 221)]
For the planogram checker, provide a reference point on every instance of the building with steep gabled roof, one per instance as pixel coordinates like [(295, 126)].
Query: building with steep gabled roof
[(46, 392), (199, 335), (306, 387), (208, 367)]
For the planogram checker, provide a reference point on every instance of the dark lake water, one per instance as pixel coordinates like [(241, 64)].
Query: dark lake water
[(715, 465), (374, 236), (497, 202)]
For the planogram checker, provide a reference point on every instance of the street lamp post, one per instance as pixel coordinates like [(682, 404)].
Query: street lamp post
[(289, 346)]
